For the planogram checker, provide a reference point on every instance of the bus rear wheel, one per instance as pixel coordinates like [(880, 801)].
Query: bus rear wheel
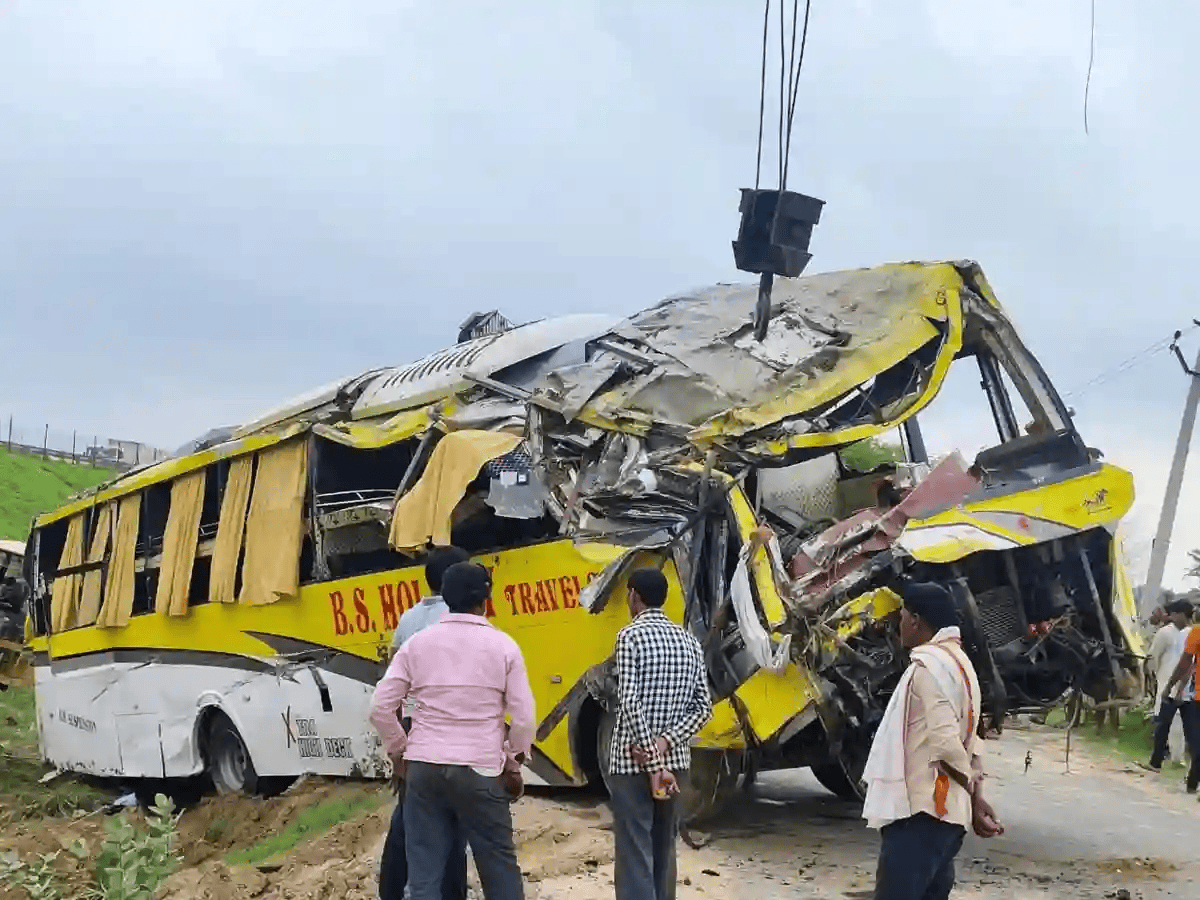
[(226, 758)]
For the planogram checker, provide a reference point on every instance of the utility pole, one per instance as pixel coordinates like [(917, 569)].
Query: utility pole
[(1166, 519)]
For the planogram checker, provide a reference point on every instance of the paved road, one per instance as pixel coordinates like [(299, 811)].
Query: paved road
[(1086, 833), (1088, 829)]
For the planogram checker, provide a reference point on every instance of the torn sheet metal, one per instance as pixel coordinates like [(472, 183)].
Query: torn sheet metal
[(451, 370), (774, 657), (595, 596), (850, 548), (830, 335)]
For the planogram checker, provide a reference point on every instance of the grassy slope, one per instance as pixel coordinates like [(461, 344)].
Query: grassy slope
[(21, 793), (30, 485)]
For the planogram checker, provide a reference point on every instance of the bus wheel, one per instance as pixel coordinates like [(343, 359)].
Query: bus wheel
[(833, 777), (228, 761), (711, 783)]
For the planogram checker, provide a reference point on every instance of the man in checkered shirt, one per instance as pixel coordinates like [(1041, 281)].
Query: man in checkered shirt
[(663, 701)]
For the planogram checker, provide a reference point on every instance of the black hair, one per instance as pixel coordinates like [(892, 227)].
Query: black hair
[(439, 561), (931, 602), (1179, 607), (466, 586), (650, 585)]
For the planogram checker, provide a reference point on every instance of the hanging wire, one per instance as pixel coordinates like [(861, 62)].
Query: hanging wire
[(1087, 85), (762, 95), (785, 79), (791, 63), (795, 87)]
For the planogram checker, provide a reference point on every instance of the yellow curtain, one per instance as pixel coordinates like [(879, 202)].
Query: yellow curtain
[(118, 589), (275, 526), (180, 538), (423, 514), (64, 593), (89, 603), (230, 530)]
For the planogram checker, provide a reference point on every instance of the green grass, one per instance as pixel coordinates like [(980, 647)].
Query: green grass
[(22, 795), (1133, 741), (30, 485), (308, 824)]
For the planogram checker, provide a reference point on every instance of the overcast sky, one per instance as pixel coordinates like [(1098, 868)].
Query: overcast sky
[(212, 205)]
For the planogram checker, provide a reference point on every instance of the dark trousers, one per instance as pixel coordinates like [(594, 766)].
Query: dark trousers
[(436, 796), (1189, 710), (645, 830), (1162, 730), (393, 867), (916, 859)]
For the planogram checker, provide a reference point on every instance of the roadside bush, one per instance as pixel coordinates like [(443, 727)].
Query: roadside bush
[(131, 865)]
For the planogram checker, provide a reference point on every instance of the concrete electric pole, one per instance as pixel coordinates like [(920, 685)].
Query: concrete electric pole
[(1166, 519)]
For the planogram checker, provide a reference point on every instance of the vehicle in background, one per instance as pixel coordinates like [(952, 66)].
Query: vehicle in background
[(13, 593)]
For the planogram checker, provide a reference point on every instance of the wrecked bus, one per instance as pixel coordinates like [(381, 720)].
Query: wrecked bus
[(227, 610)]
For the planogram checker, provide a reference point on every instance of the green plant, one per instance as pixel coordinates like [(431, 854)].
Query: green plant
[(133, 863), (869, 454), (37, 878)]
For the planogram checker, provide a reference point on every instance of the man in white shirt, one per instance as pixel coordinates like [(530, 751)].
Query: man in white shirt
[(924, 771), (1165, 652)]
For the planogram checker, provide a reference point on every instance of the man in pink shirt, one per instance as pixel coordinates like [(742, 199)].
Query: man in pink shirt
[(461, 678)]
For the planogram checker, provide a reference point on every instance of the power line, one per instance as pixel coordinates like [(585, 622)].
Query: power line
[(1126, 365), (1087, 85)]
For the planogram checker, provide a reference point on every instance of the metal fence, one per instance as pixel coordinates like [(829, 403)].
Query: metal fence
[(80, 447)]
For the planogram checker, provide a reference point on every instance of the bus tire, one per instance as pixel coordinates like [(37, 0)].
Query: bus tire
[(227, 761), (710, 784), (832, 776)]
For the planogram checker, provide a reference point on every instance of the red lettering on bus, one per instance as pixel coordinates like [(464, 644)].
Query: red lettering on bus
[(551, 584), (362, 615), (407, 596), (569, 585), (539, 596), (387, 600), (525, 592), (341, 624)]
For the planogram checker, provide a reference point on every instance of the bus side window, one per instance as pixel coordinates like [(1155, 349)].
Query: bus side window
[(51, 540), (216, 477), (152, 524), (346, 531)]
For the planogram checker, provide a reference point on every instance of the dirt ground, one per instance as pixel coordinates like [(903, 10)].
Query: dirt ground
[(1101, 829)]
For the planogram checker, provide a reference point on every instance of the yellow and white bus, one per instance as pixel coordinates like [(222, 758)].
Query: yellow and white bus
[(227, 611)]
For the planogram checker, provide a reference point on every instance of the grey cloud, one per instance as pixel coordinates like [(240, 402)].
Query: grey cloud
[(211, 206)]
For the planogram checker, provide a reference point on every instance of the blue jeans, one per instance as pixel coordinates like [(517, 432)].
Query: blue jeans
[(916, 859), (1189, 710), (393, 867), (438, 796), (1162, 730)]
